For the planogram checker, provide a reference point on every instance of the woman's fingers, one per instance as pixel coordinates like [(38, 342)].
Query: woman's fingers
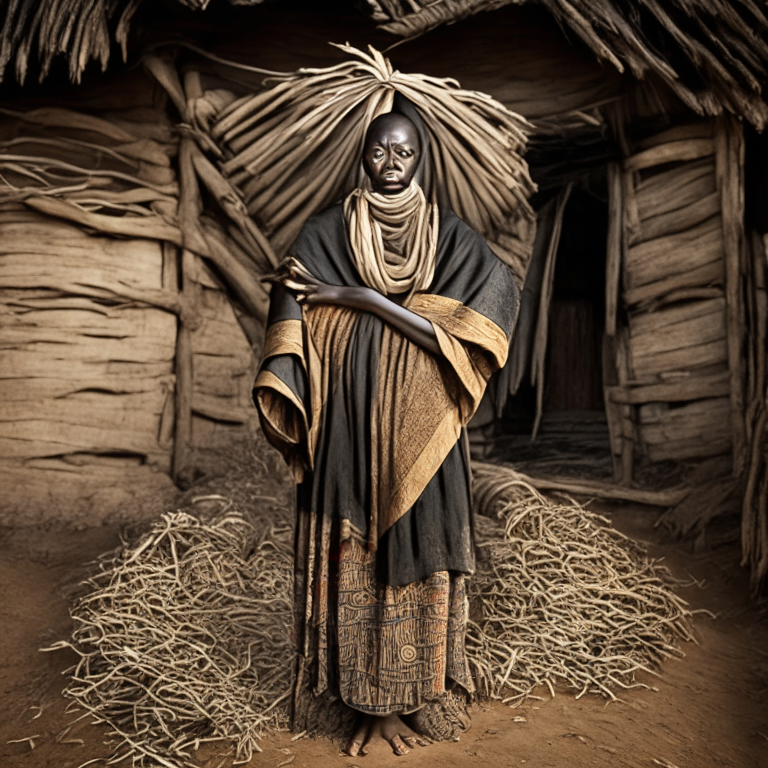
[(309, 290), (302, 287), (296, 268)]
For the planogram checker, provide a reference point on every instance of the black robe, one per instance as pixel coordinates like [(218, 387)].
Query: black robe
[(371, 425)]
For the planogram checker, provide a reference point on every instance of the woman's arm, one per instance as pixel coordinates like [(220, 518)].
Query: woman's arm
[(310, 291), (415, 327)]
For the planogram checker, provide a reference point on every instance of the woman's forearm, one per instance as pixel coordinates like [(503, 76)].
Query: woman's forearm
[(415, 327)]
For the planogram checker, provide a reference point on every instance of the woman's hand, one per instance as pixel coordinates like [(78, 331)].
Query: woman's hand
[(311, 291)]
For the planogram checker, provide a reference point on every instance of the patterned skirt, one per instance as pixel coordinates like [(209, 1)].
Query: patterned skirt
[(397, 646), (385, 650)]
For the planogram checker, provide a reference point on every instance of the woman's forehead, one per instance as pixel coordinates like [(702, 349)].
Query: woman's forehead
[(392, 129)]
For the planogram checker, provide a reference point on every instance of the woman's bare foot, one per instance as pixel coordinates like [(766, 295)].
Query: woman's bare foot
[(390, 729)]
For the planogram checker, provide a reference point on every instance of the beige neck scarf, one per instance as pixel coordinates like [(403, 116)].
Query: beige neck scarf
[(393, 238)]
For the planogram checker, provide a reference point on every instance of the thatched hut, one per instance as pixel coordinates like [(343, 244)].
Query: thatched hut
[(131, 253)]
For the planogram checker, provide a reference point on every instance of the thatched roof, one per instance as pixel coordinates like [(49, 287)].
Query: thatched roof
[(83, 30), (712, 53)]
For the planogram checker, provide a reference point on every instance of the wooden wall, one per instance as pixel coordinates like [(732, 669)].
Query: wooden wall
[(678, 381), (86, 385), (91, 317)]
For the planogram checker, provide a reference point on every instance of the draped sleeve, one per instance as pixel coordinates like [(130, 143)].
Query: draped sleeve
[(281, 391), (292, 383), (472, 305)]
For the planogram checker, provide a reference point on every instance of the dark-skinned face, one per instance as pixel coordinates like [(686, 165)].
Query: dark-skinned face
[(391, 153)]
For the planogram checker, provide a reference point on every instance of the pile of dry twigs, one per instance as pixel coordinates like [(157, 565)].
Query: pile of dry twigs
[(184, 637), (563, 598)]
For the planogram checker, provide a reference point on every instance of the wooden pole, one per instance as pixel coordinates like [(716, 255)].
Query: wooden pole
[(190, 207), (626, 411), (614, 246), (761, 301), (522, 342), (170, 280), (539, 356), (612, 408), (729, 165), (189, 321), (749, 514), (182, 447), (757, 330)]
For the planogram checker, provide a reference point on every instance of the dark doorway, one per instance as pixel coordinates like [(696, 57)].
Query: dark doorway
[(573, 431), (577, 312)]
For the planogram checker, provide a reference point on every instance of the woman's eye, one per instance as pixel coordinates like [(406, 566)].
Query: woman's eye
[(378, 155)]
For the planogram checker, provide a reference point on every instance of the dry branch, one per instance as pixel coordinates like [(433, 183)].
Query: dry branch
[(183, 636)]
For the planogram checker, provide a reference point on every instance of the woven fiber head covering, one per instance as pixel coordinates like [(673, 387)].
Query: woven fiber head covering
[(294, 149)]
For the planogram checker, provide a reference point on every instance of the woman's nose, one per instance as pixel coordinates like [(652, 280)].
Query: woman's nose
[(391, 161)]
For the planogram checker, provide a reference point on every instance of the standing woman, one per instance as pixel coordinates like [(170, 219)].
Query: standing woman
[(389, 318)]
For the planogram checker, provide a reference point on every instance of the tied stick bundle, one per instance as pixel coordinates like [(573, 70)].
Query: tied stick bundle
[(184, 639), (564, 599), (294, 149)]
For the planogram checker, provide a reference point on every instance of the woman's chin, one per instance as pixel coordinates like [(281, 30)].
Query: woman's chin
[(391, 188)]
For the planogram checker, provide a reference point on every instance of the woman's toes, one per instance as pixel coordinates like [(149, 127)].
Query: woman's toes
[(353, 748), (397, 745), (356, 743)]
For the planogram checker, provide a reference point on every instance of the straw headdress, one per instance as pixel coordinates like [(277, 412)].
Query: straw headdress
[(294, 149)]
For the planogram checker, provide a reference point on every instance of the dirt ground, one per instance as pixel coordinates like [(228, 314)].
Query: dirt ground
[(711, 707)]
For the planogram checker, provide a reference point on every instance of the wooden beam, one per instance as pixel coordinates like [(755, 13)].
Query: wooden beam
[(539, 355), (695, 388), (182, 445), (729, 167), (666, 498), (614, 246), (672, 152)]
